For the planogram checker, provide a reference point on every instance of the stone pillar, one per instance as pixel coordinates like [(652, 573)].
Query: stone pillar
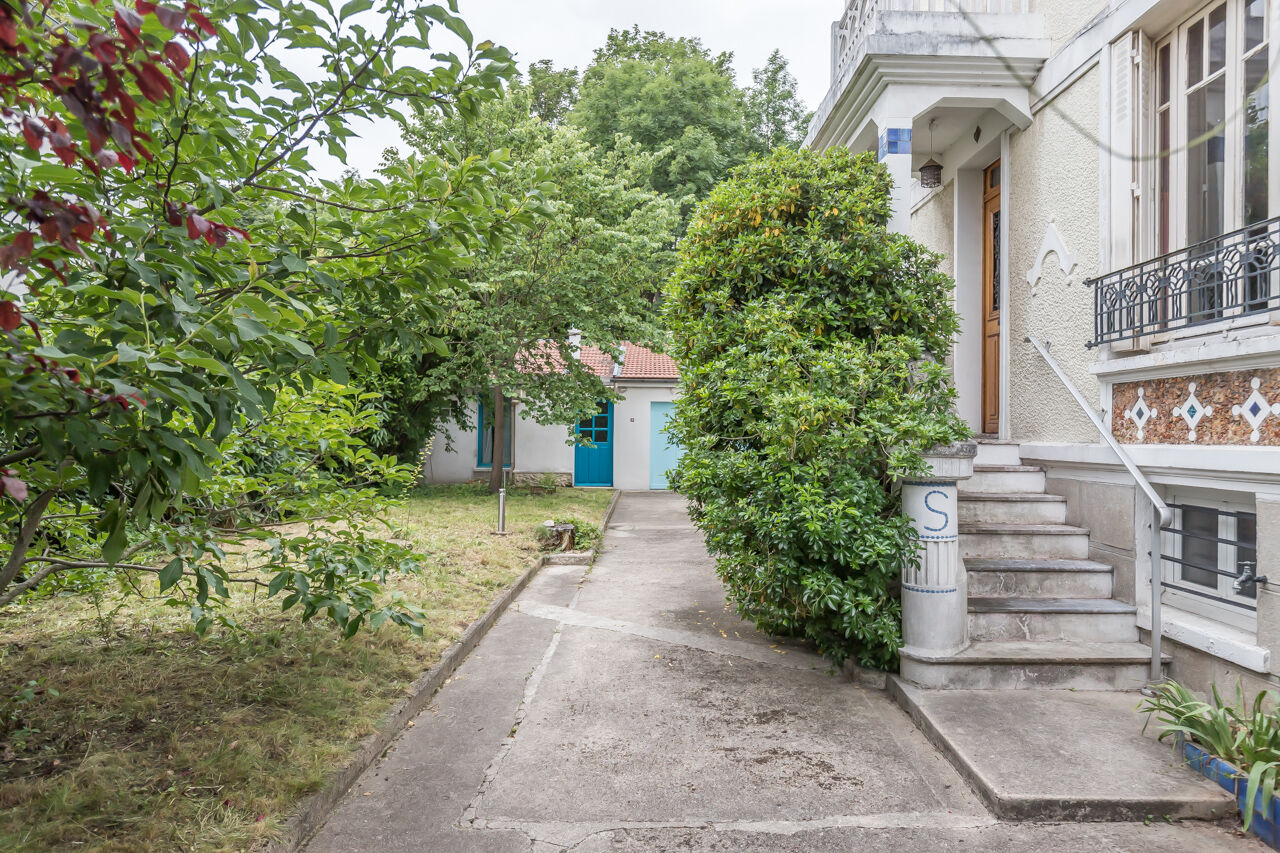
[(935, 597), (894, 151), (1268, 509)]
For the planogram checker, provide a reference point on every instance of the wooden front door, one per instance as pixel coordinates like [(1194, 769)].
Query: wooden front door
[(991, 298)]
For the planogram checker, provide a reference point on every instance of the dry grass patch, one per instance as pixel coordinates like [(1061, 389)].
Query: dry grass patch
[(159, 740)]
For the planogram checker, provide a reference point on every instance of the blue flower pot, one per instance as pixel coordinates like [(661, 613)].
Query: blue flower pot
[(1266, 824)]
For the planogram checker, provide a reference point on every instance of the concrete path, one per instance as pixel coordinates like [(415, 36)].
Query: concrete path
[(630, 711)]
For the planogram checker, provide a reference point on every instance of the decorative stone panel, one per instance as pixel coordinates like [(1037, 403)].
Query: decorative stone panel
[(1237, 407)]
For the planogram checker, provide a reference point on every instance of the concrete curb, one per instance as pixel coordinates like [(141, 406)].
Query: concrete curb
[(864, 677), (317, 808), (1022, 807), (608, 513)]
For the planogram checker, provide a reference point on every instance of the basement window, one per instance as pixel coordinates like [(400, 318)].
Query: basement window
[(1204, 551)]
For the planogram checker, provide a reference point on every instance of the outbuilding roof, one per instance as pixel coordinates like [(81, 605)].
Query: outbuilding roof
[(637, 362), (643, 363)]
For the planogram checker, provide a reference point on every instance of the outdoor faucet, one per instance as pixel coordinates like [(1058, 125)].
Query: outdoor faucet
[(1247, 581)]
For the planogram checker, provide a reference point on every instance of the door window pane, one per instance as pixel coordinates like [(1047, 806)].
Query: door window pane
[(1206, 136), (1162, 176), (995, 262), (1255, 23), (1195, 53), (1218, 39), (1256, 121), (1162, 88)]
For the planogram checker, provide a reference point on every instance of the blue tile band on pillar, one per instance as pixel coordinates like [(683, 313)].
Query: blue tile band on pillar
[(894, 140)]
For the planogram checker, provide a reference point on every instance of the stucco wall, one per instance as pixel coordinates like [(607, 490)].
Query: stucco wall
[(534, 448), (631, 439), (1064, 18), (932, 224), (1053, 174), (537, 448)]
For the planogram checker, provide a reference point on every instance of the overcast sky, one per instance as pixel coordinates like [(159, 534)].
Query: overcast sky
[(568, 31)]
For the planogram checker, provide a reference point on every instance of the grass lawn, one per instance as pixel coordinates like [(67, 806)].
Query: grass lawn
[(159, 740)]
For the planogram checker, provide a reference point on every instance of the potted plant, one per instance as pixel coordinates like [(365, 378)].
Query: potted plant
[(1237, 746)]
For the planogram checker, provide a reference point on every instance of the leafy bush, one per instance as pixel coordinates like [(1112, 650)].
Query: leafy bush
[(173, 272), (811, 343), (1245, 735)]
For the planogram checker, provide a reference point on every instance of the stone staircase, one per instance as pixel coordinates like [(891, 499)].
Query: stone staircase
[(1040, 611)]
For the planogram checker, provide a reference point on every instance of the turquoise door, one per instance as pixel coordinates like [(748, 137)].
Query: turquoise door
[(593, 466), (663, 453)]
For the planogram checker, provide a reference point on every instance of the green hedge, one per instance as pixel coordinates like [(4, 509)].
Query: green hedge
[(810, 341)]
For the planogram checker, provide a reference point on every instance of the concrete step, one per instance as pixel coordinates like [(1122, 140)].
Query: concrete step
[(1061, 755), (992, 452), (1086, 620), (1039, 578), (1026, 664), (1003, 479), (1013, 508), (1026, 541)]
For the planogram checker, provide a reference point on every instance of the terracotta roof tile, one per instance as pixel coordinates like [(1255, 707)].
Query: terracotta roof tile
[(643, 363), (637, 362)]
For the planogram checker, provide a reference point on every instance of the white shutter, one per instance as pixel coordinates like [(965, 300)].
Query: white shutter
[(1143, 171), (1126, 123)]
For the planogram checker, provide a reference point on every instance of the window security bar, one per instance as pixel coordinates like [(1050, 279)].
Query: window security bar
[(1242, 557), (1234, 275)]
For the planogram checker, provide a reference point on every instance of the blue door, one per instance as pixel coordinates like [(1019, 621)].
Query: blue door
[(664, 454), (593, 465)]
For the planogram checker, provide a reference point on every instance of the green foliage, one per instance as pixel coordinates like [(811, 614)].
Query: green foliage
[(1243, 734), (607, 241), (177, 273), (811, 343), (775, 113), (586, 535), (672, 97), (553, 91)]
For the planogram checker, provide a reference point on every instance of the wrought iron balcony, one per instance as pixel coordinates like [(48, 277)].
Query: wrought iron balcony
[(1234, 275)]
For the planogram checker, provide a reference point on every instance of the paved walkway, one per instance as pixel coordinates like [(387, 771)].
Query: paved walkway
[(630, 711)]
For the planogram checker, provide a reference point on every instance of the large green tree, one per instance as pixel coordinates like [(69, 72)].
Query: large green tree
[(775, 114), (673, 97), (607, 242), (174, 273), (811, 342), (552, 91)]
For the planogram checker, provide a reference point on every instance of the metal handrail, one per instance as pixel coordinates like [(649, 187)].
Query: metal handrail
[(1166, 514)]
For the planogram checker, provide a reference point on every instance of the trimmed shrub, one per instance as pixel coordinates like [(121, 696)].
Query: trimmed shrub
[(811, 343)]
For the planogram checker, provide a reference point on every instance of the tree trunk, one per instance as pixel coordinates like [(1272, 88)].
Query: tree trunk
[(35, 511), (498, 454)]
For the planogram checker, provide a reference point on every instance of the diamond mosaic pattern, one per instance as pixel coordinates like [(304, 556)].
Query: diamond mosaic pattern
[(1192, 411), (1141, 412), (1255, 409)]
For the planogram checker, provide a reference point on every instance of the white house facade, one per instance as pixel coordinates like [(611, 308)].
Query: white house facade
[(1098, 176), (624, 444)]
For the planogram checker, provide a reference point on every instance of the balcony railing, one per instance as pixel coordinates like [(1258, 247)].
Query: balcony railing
[(860, 15), (1234, 275)]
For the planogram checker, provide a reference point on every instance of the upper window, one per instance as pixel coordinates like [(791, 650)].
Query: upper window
[(1212, 124)]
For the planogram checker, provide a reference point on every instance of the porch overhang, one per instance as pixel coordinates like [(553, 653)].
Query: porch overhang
[(927, 59)]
